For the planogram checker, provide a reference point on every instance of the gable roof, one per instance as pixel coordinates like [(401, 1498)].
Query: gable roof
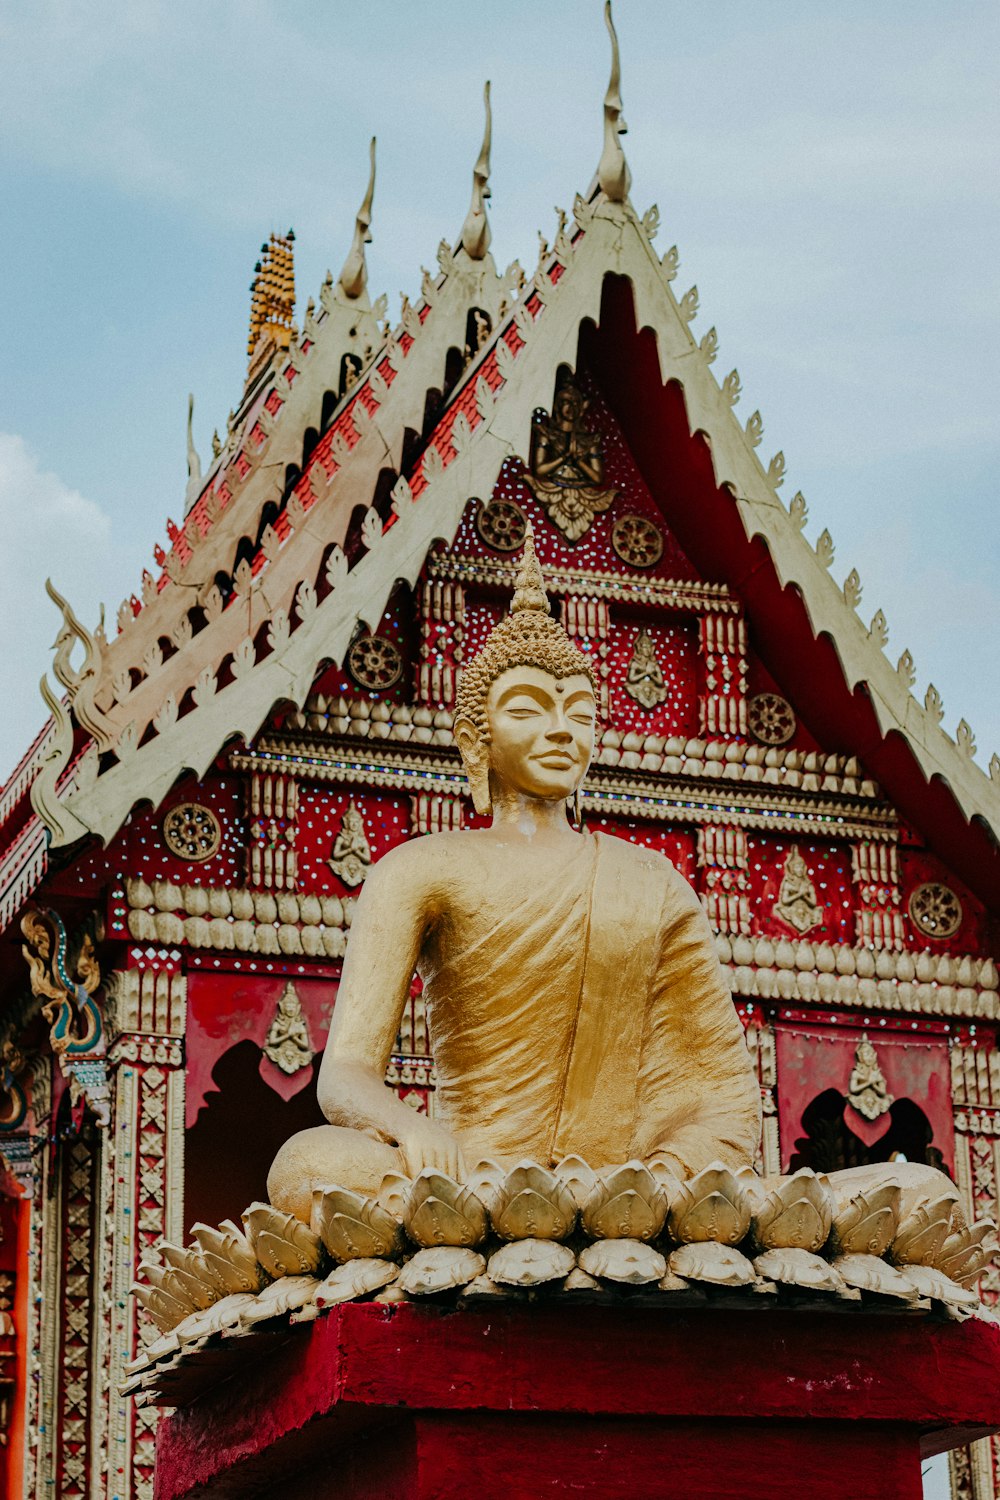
[(136, 718)]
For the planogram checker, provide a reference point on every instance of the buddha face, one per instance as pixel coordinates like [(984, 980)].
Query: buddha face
[(541, 731)]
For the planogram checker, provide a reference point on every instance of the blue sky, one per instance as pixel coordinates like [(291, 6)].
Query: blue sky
[(830, 174)]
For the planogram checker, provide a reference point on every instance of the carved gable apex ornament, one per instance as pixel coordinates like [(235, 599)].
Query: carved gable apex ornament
[(797, 904), (867, 1091), (566, 463), (644, 681), (288, 1043), (352, 855)]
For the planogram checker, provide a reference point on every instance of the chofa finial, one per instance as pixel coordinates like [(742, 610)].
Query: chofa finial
[(476, 236), (354, 277), (194, 462), (613, 175), (529, 586)]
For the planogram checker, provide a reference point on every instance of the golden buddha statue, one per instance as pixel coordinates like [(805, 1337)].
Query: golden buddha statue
[(574, 1000), (596, 1098)]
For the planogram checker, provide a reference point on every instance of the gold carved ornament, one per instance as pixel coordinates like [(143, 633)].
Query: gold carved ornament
[(352, 855), (771, 719), (797, 903), (374, 663), (637, 541), (502, 525), (566, 464), (644, 679), (192, 832), (935, 910), (867, 1090), (288, 1044)]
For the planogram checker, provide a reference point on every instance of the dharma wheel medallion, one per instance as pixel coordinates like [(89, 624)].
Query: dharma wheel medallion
[(502, 525), (637, 541), (771, 719), (935, 910), (374, 663), (192, 831)]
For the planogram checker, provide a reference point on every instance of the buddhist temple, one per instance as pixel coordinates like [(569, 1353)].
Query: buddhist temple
[(223, 765)]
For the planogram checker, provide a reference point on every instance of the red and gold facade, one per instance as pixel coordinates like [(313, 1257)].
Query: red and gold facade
[(855, 905)]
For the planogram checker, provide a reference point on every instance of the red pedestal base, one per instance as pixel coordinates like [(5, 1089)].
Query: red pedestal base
[(418, 1403)]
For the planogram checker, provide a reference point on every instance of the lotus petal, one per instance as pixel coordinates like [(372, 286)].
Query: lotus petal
[(923, 1231), (355, 1278), (756, 1188), (191, 1273), (796, 1214), (390, 1295), (439, 1269), (166, 1344), (393, 1192), (712, 1206), (575, 1174), (630, 1261), (279, 1299), (532, 1203), (869, 1274), (867, 1223), (966, 1253), (710, 1261), (486, 1180), (222, 1315), (229, 1258), (440, 1212), (354, 1227), (281, 1242), (582, 1285), (483, 1287), (958, 1300), (671, 1282), (626, 1203), (530, 1262), (794, 1267), (165, 1311)]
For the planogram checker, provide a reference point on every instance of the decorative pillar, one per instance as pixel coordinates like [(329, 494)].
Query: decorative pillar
[(878, 917), (975, 1093), (588, 622), (142, 1189), (41, 1303), (763, 1054), (273, 806), (724, 863), (442, 633), (723, 648), (430, 812)]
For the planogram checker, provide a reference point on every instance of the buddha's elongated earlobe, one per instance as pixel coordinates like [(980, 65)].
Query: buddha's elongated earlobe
[(476, 760), (576, 811)]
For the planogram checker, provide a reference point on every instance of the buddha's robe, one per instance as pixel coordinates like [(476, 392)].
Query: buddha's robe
[(584, 1012)]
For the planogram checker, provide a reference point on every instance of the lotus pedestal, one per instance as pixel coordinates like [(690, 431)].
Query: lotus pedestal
[(411, 1402)]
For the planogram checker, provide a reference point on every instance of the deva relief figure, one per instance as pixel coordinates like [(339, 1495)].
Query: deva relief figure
[(574, 999), (567, 464)]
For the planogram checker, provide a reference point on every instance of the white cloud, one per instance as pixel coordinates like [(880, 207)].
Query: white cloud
[(50, 531)]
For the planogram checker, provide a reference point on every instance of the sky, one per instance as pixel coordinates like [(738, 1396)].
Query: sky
[(830, 173)]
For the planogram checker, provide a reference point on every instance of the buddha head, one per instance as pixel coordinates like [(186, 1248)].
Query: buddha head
[(527, 705)]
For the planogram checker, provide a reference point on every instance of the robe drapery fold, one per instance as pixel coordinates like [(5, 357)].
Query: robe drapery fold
[(586, 1012)]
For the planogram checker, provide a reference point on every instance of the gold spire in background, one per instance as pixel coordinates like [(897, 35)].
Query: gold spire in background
[(272, 301)]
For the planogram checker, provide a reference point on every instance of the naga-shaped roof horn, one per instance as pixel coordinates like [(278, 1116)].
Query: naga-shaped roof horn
[(613, 175), (475, 237), (353, 278)]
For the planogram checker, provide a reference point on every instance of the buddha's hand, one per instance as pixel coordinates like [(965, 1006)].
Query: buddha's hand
[(422, 1143)]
